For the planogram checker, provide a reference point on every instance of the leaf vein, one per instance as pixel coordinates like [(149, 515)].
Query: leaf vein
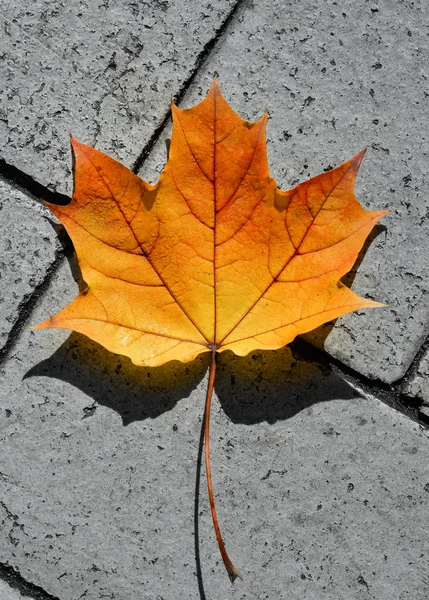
[(287, 260), (146, 255)]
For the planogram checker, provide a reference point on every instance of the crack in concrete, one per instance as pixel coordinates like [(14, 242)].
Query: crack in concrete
[(15, 580), (9, 514), (15, 524), (199, 62)]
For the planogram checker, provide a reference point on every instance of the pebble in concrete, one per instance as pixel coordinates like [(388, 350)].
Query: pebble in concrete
[(320, 492), (105, 73), (336, 79), (28, 245)]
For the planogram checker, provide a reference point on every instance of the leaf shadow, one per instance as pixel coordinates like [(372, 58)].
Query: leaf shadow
[(263, 386), (135, 393), (273, 385), (250, 389)]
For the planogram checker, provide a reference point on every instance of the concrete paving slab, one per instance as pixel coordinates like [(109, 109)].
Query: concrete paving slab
[(28, 245), (8, 593), (337, 78), (321, 493), (103, 71), (418, 386)]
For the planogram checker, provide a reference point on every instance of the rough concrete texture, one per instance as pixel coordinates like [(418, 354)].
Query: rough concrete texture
[(28, 245), (321, 493), (104, 72), (338, 77), (418, 386)]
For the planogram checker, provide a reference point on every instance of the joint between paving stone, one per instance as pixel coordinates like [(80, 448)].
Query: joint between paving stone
[(202, 57), (25, 183), (407, 394), (412, 369), (390, 394), (28, 304), (138, 163), (14, 579)]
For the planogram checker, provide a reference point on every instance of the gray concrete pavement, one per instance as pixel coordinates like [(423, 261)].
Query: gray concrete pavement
[(28, 246), (104, 72), (418, 385), (8, 593), (322, 489)]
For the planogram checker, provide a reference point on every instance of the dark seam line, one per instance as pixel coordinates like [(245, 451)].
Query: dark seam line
[(25, 588), (162, 335), (145, 255), (187, 203), (286, 263), (26, 307), (231, 198), (192, 152), (287, 325), (17, 179), (199, 61)]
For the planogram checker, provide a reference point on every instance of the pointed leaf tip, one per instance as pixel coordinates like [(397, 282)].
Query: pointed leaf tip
[(358, 158), (43, 325), (215, 88)]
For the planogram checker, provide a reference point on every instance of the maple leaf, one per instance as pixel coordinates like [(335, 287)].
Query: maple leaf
[(213, 257)]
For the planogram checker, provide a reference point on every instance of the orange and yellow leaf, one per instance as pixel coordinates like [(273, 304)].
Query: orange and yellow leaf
[(213, 257)]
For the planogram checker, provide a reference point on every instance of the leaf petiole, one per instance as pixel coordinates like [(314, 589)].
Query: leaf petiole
[(233, 573)]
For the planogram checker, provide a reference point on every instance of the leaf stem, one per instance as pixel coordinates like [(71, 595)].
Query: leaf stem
[(232, 571)]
